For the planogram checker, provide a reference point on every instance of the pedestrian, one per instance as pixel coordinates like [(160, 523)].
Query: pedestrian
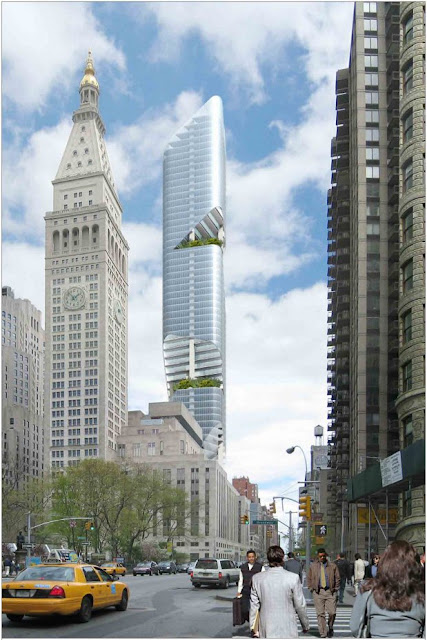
[(324, 581), (393, 602), (345, 574), (12, 568), (371, 569), (247, 571), (293, 565), (7, 564), (276, 596), (359, 572)]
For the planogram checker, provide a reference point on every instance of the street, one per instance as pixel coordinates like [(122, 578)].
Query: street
[(161, 607)]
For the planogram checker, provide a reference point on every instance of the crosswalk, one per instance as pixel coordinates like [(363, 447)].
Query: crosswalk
[(341, 624)]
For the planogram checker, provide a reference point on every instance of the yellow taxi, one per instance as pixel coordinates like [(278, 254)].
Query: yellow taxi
[(114, 568), (65, 589)]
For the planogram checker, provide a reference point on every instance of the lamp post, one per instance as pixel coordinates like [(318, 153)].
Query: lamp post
[(308, 528)]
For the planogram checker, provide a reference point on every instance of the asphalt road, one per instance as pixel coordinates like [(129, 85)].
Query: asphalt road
[(159, 607), (164, 607)]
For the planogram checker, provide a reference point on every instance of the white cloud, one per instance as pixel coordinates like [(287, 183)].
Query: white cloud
[(28, 172), (23, 270), (246, 38), (44, 45), (136, 150)]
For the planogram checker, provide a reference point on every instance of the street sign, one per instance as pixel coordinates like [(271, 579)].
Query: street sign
[(317, 517), (320, 530), (85, 543), (264, 522), (81, 537), (72, 523)]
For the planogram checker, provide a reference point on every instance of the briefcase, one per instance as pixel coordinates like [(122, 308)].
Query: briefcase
[(238, 616)]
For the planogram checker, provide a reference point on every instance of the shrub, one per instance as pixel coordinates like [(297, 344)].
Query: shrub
[(199, 243), (187, 383)]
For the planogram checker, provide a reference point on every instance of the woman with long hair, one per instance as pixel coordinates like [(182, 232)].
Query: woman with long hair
[(394, 600)]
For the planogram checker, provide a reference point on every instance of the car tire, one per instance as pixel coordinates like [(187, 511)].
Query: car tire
[(197, 585), (134, 573), (14, 617), (150, 573), (123, 604), (85, 613), (226, 583)]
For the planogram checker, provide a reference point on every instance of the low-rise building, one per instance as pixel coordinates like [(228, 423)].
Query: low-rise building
[(169, 439)]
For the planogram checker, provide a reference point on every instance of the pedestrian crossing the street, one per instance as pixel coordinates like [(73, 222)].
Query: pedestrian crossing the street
[(341, 624)]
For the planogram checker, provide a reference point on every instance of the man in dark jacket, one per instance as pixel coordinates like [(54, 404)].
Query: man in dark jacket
[(345, 574), (294, 565), (323, 580), (247, 571)]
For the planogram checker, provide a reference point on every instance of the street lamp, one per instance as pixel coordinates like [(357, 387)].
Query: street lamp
[(307, 530)]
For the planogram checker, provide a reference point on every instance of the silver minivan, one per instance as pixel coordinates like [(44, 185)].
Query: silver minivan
[(214, 571)]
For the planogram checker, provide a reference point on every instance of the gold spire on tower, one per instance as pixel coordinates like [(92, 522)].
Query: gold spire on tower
[(89, 76)]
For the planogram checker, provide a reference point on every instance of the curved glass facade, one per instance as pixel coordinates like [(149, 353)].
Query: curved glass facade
[(193, 281)]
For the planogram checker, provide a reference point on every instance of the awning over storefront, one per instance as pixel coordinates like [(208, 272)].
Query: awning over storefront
[(393, 475)]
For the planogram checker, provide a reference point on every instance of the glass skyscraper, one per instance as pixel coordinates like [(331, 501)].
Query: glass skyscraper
[(193, 280)]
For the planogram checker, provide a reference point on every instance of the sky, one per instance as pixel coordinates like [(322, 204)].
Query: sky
[(274, 65)]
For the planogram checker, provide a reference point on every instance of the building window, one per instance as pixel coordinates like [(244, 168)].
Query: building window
[(407, 327), (407, 376), (181, 446), (408, 29), (372, 115), (136, 450), (151, 448), (408, 77), (407, 175), (373, 229), (407, 125), (369, 7), (371, 62), (90, 192), (408, 276), (371, 43), (372, 153), (372, 135), (372, 97), (372, 173), (371, 79), (161, 447), (408, 432), (370, 24), (407, 226)]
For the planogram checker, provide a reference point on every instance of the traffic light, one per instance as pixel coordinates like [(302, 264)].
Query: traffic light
[(305, 507), (90, 525), (273, 507), (269, 533), (242, 519), (246, 519)]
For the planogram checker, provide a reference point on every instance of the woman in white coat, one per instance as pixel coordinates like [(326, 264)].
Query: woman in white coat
[(276, 596)]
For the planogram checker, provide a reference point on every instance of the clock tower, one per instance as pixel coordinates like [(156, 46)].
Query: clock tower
[(86, 277)]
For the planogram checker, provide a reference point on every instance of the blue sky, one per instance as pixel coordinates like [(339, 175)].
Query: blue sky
[(273, 64)]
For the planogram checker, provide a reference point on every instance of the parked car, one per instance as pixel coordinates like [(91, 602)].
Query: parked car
[(182, 568), (167, 567), (214, 571), (63, 589), (145, 569)]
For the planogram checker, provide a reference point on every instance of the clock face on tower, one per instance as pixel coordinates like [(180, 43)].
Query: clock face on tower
[(118, 311), (74, 298)]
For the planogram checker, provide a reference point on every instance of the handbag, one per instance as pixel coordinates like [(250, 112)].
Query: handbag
[(364, 630)]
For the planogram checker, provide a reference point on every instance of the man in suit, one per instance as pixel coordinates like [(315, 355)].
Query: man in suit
[(247, 571), (275, 598), (323, 580), (345, 574), (294, 565)]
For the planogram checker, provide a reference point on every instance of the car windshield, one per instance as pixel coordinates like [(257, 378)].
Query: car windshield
[(206, 564), (164, 564), (56, 574), (144, 564), (107, 565)]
